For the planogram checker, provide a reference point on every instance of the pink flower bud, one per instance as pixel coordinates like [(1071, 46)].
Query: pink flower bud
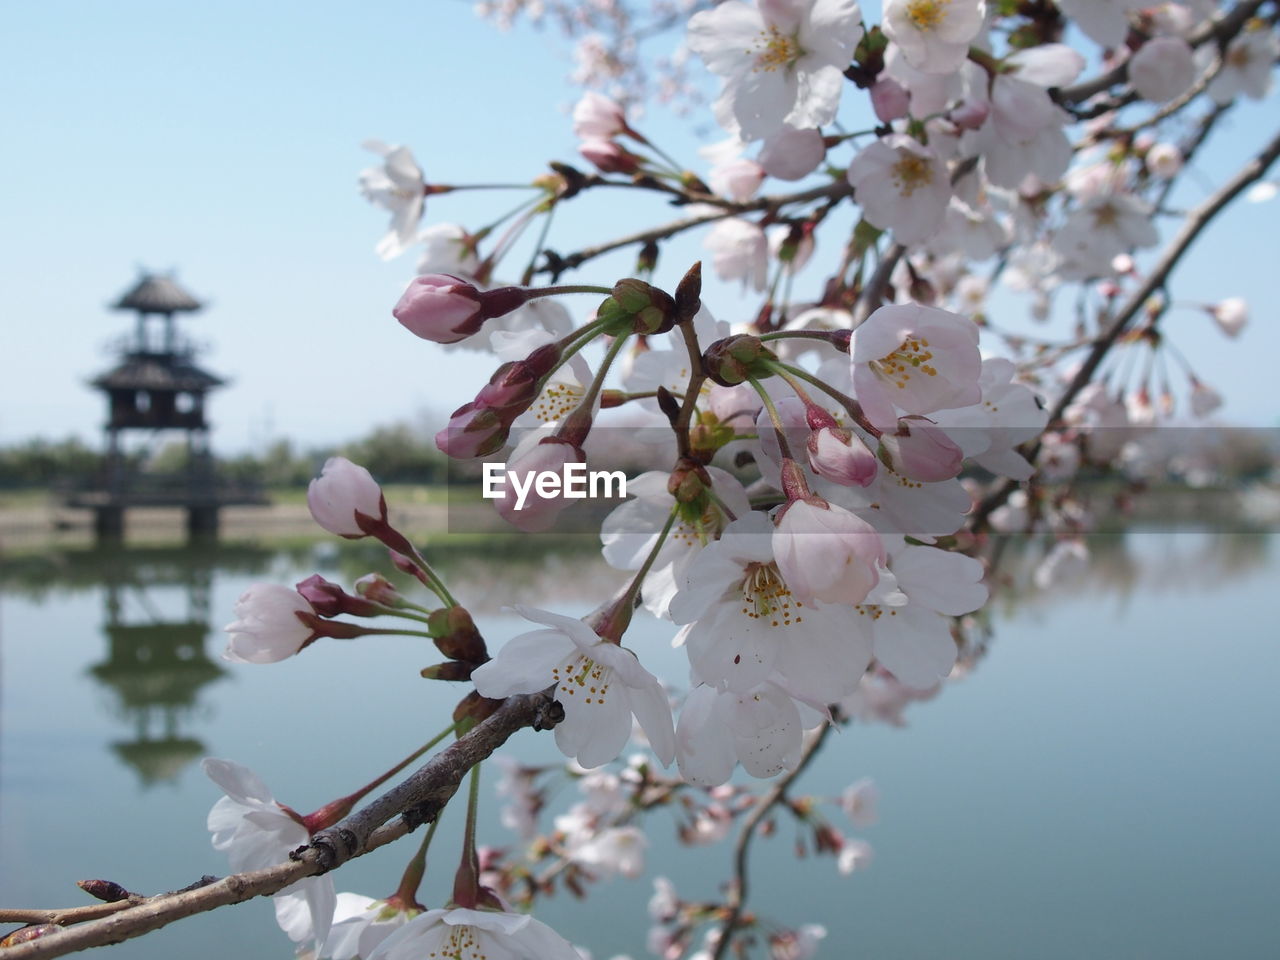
[(267, 627), (342, 491), (971, 115), (376, 588), (596, 117), (533, 494), (440, 308), (826, 553), (920, 450), (328, 599), (841, 457), (889, 100), (472, 432), (609, 157)]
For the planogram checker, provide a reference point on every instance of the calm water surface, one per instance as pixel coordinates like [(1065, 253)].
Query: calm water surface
[(1103, 782)]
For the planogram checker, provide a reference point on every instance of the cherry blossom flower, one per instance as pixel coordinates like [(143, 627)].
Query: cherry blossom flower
[(613, 850), (256, 832), (859, 801), (1065, 563), (799, 944), (738, 179), (826, 553), (759, 728), (910, 611), (743, 622), (600, 685), (596, 117), (491, 934), (1163, 68), (1247, 64), (1204, 399), (854, 855), (1230, 315), (782, 62), (990, 432), (740, 251), (934, 35), (397, 186), (792, 153), (918, 359), (1024, 136), (447, 249), (267, 628), (902, 186), (1163, 160), (1105, 22), (343, 490), (361, 923), (629, 532), (1101, 228)]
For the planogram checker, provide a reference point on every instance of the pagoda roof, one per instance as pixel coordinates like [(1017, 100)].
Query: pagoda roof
[(157, 293), (157, 372)]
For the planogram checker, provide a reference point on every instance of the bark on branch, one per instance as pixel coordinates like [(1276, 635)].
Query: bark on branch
[(398, 811)]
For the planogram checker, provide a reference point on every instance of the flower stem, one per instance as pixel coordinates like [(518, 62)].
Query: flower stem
[(334, 811), (466, 883), (774, 416), (406, 895)]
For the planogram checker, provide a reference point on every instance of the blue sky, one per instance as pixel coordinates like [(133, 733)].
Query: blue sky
[(224, 141)]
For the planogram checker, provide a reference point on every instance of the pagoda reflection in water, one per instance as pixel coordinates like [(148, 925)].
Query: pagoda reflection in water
[(156, 664)]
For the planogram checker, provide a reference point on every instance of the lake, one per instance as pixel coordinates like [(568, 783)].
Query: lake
[(1100, 781)]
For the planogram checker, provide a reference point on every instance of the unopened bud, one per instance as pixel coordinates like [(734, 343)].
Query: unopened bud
[(889, 100), (377, 588), (920, 450), (689, 482), (329, 599), (106, 890), (472, 432), (473, 709), (735, 360), (651, 310), (608, 156), (455, 634), (689, 294), (449, 670)]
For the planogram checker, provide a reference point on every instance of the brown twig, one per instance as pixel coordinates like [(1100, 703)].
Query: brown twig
[(415, 801), (1196, 221), (737, 896), (1220, 29), (871, 295), (835, 189)]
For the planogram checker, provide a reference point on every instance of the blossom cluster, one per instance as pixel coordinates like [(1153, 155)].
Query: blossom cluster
[(825, 465)]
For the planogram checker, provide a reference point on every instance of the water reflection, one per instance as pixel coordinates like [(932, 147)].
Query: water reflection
[(978, 809), (157, 666)]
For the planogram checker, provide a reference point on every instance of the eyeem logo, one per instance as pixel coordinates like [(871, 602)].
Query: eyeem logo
[(574, 482)]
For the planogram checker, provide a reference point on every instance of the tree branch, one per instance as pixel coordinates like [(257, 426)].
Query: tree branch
[(416, 801), (738, 885), (1220, 29), (1196, 221), (834, 190)]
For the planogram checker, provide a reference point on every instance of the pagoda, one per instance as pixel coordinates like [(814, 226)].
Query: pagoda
[(157, 386)]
